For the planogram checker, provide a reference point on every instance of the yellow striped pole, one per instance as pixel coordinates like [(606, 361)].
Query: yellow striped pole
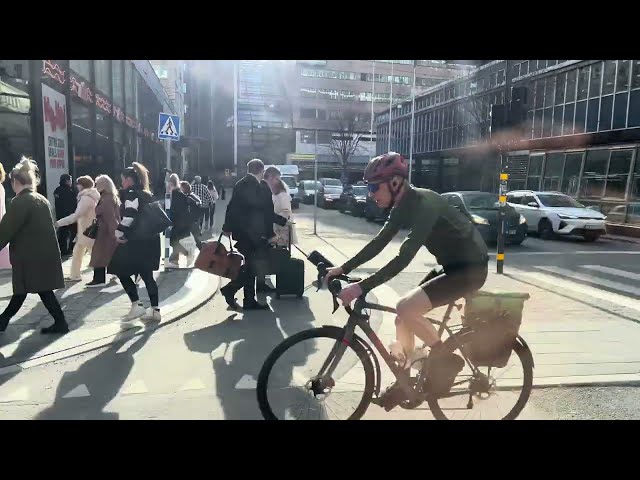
[(504, 177)]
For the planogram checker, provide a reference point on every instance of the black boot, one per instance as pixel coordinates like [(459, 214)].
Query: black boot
[(56, 328), (229, 297), (253, 304)]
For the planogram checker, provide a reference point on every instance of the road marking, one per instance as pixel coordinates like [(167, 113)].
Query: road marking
[(80, 391), (247, 382), (193, 384), (135, 388), (589, 292), (613, 271), (591, 279), (579, 252), (19, 395)]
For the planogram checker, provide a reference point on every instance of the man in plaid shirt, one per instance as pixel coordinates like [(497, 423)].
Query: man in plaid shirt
[(205, 196)]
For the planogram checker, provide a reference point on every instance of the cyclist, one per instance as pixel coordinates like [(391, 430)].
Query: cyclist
[(450, 236)]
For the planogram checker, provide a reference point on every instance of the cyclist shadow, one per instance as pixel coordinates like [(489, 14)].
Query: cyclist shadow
[(238, 347)]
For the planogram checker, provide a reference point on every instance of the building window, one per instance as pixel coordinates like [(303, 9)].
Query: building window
[(162, 72), (347, 95), (560, 85), (328, 94), (308, 113), (534, 172), (553, 172), (583, 83), (571, 174), (592, 115), (322, 114), (17, 70), (635, 75), (635, 184), (609, 77), (581, 114), (622, 80), (567, 128), (596, 79), (620, 111), (570, 94), (103, 76), (634, 109), (606, 107), (81, 67), (618, 173), (595, 169)]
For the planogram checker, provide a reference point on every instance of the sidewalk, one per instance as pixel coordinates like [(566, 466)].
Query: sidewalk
[(93, 314), (575, 340)]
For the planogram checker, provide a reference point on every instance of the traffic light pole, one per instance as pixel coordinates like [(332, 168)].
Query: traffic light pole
[(504, 177)]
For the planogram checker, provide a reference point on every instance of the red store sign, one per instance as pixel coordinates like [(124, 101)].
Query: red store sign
[(53, 70)]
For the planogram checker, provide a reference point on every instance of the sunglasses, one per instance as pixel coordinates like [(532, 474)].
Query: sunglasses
[(373, 187)]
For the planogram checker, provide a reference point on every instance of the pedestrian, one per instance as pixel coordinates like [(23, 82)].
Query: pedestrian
[(194, 209), (5, 262), (281, 206), (136, 256), (33, 247), (65, 201), (203, 193), (182, 222), (212, 207), (108, 217), (248, 219), (88, 198)]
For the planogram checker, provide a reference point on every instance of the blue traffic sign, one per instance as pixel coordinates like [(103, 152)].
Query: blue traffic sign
[(169, 127)]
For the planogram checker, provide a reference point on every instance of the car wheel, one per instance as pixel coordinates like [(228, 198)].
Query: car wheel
[(591, 237), (545, 229)]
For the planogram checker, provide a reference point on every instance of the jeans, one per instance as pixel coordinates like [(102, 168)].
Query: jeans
[(212, 212), (132, 291), (48, 298)]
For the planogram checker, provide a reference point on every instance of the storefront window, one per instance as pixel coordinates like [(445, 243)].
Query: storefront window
[(553, 171), (618, 174), (635, 181), (571, 174), (15, 106), (81, 134), (82, 68), (117, 76), (103, 76), (595, 170), (534, 172)]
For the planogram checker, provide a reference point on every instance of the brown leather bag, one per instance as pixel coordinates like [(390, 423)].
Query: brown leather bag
[(215, 259)]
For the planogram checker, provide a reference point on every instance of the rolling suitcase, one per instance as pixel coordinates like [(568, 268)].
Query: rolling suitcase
[(290, 278)]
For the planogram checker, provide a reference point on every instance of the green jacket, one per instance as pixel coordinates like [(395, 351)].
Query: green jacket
[(433, 223), (28, 228)]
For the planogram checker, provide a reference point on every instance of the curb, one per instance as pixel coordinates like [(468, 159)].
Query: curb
[(124, 331), (621, 239)]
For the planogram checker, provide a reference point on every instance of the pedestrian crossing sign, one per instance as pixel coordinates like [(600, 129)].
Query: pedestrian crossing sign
[(169, 127)]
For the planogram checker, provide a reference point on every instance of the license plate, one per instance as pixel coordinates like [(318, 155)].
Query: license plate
[(592, 227), (513, 231)]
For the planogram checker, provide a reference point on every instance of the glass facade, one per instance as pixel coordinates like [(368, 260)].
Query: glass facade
[(589, 104), (95, 120)]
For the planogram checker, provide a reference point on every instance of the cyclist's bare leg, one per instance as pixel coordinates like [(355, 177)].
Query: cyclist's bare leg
[(410, 310)]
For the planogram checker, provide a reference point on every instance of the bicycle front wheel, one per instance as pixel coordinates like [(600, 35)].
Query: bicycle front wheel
[(489, 393), (291, 387)]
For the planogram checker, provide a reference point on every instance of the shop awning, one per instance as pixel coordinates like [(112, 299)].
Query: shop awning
[(13, 99)]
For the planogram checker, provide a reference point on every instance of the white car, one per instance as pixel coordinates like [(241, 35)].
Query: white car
[(550, 213)]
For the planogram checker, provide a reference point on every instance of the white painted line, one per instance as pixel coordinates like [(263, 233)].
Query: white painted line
[(193, 384), (19, 395), (80, 391), (613, 271), (135, 388), (579, 252), (583, 292), (247, 382), (621, 287)]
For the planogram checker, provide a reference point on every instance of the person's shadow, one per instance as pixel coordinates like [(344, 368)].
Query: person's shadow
[(239, 347), (103, 376)]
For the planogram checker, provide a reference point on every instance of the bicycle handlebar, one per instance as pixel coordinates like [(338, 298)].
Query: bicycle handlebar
[(335, 286)]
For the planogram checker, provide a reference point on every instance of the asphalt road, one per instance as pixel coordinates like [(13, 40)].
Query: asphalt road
[(205, 366)]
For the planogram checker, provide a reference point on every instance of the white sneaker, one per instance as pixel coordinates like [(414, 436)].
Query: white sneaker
[(152, 315), (191, 257), (137, 311)]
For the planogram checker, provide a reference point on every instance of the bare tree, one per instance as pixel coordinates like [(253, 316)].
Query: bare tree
[(345, 139)]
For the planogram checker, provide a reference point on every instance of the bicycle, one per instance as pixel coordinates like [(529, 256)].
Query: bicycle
[(328, 377)]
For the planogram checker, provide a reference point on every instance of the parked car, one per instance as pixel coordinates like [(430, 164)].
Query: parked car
[(373, 213), (622, 214), (307, 190), (483, 209), (290, 182), (329, 194), (354, 200), (554, 213)]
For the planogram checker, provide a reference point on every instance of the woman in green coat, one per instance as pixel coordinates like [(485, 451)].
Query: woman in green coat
[(33, 247)]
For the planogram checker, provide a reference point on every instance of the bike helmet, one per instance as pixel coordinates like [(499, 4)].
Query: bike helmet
[(385, 167)]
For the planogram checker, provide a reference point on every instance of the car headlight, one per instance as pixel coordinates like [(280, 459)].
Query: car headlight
[(522, 220), (567, 217), (478, 220)]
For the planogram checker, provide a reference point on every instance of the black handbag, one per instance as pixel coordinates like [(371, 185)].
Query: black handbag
[(151, 221), (92, 230)]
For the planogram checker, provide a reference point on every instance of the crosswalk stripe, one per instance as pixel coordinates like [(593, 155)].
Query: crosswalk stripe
[(19, 395), (193, 384), (135, 388), (613, 271), (79, 391), (621, 287), (584, 290)]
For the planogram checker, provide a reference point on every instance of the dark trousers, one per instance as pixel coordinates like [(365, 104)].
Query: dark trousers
[(247, 277), (100, 274), (65, 238), (203, 214), (48, 298), (195, 231), (132, 291), (212, 212)]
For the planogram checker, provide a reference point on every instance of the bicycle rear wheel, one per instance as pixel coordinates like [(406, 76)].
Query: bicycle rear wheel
[(289, 386), (492, 393)]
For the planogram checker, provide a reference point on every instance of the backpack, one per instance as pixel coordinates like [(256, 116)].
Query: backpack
[(194, 204)]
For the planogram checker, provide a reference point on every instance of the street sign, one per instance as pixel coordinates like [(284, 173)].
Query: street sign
[(226, 172), (169, 127)]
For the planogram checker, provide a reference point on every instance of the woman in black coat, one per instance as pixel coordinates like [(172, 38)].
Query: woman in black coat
[(139, 256)]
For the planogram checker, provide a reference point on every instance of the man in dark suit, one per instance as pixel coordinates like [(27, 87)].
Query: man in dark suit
[(249, 219)]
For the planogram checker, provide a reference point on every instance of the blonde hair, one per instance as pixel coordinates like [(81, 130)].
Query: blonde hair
[(3, 175), (105, 184), (26, 172), (139, 174), (174, 180), (86, 181)]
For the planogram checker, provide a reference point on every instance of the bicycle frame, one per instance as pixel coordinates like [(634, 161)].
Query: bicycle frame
[(357, 319)]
